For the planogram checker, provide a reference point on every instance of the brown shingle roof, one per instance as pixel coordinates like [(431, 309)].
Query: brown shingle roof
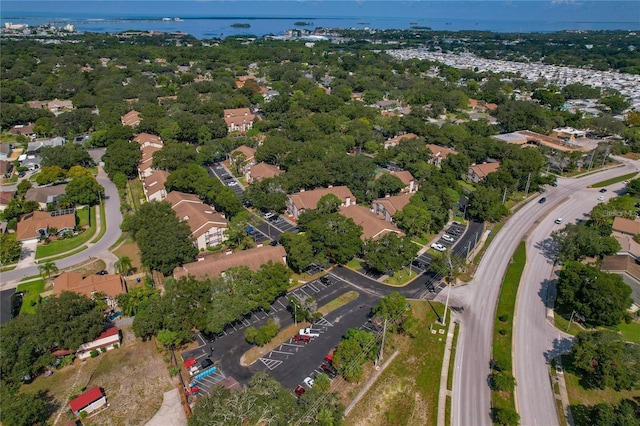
[(246, 150), (45, 194), (199, 216), (373, 226), (309, 199), (110, 284), (147, 153), (177, 197), (263, 171), (626, 226), (143, 138), (441, 151), (394, 203), (238, 116), (482, 170), (132, 118), (30, 223), (405, 176), (155, 180), (213, 266), (6, 197), (397, 139)]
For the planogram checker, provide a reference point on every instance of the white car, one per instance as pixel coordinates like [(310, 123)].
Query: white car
[(232, 183), (559, 220), (601, 198), (308, 332), (448, 238), (439, 247), (308, 381)]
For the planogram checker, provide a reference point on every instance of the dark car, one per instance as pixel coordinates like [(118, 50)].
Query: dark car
[(299, 390), (603, 190), (542, 200), (103, 272), (206, 363), (329, 370), (326, 281), (273, 243)]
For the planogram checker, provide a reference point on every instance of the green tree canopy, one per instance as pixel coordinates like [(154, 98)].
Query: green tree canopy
[(390, 252), (602, 298)]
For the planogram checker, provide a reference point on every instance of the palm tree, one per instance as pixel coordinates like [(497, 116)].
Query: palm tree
[(47, 269), (123, 265)]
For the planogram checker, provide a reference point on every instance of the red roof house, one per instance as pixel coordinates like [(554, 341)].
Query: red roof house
[(89, 401)]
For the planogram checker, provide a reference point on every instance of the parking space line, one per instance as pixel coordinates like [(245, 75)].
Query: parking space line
[(271, 364), (245, 322), (323, 321), (280, 352), (292, 344), (281, 304), (302, 290), (312, 287)]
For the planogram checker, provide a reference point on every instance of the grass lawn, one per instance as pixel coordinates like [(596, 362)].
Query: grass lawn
[(354, 264), (401, 277), (631, 332), (614, 180), (31, 292), (406, 393), (136, 193), (503, 329), (60, 246), (133, 376), (103, 224), (562, 323), (131, 250), (83, 216), (589, 397)]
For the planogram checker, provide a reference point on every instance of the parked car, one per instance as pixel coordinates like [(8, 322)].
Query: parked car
[(448, 238), (601, 198), (206, 363), (329, 370), (326, 281), (103, 272), (542, 200), (308, 381), (299, 338), (193, 370), (232, 183), (299, 390), (603, 190), (309, 332), (438, 246)]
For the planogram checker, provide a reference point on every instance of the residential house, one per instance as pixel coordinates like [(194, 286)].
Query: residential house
[(477, 172), (241, 80), (46, 194), (108, 339), (35, 225), (213, 266), (35, 104), (628, 267), (373, 226), (261, 171), (58, 106), (626, 226), (207, 226), (249, 157), (526, 137), (131, 119), (396, 140), (238, 119), (31, 162), (147, 139), (270, 94), (5, 150), (88, 402), (5, 198), (411, 185), (387, 207), (439, 154), (24, 130), (481, 106), (6, 168), (145, 165), (303, 200), (107, 286), (35, 147), (153, 185)]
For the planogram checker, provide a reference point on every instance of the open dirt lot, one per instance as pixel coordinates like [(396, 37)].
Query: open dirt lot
[(134, 378)]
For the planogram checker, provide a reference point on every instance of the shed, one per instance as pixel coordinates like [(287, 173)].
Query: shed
[(89, 401)]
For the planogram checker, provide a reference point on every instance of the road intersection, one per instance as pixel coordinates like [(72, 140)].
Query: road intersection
[(475, 305)]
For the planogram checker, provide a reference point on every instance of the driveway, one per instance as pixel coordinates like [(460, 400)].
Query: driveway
[(10, 279)]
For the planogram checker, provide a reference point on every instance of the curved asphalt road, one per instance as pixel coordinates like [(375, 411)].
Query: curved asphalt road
[(100, 249), (475, 306)]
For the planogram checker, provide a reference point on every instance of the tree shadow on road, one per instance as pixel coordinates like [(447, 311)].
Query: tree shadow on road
[(547, 293), (549, 249), (561, 346)]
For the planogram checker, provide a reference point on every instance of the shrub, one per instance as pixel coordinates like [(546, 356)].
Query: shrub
[(501, 365), (250, 334), (506, 416), (115, 346), (174, 370), (93, 353), (103, 349), (83, 414), (502, 381), (267, 332), (503, 317)]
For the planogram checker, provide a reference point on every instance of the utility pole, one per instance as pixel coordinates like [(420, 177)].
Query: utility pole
[(504, 196), (593, 153), (571, 320), (606, 155), (446, 304), (526, 189), (384, 331)]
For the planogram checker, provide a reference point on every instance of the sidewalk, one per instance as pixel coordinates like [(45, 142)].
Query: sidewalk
[(171, 412), (444, 376)]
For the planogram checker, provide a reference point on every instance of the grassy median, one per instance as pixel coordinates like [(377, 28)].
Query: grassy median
[(502, 378)]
